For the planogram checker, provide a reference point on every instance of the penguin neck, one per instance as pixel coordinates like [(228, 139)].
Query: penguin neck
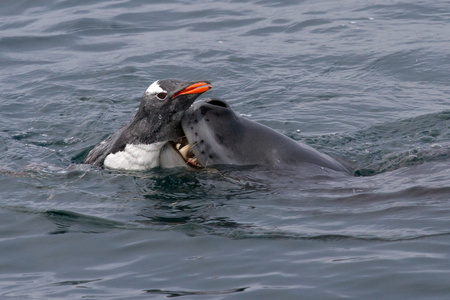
[(157, 128)]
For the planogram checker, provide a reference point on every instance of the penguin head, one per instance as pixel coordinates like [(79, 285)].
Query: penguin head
[(171, 96), (164, 103)]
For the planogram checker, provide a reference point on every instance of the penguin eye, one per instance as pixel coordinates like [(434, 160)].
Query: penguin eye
[(161, 96)]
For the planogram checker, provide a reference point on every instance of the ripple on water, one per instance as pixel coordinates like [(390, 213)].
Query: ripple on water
[(364, 82)]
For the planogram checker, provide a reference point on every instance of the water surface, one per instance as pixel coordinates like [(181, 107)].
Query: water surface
[(364, 81)]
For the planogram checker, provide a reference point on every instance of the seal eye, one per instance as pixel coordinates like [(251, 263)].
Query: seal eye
[(161, 96)]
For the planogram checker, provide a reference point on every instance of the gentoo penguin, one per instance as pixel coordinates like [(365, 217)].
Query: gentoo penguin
[(137, 145)]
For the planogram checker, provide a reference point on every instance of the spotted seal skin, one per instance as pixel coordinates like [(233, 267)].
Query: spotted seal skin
[(219, 136)]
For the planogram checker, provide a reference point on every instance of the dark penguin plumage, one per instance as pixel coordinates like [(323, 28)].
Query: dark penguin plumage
[(156, 122)]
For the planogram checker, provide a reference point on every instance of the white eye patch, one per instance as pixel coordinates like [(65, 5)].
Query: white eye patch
[(154, 89)]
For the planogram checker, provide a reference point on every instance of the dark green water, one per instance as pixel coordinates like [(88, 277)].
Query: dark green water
[(365, 81)]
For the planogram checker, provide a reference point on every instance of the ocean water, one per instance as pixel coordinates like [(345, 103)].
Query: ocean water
[(366, 81)]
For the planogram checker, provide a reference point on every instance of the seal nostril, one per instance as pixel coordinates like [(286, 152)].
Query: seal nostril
[(218, 103)]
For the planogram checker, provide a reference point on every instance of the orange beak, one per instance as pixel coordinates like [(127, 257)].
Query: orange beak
[(196, 88)]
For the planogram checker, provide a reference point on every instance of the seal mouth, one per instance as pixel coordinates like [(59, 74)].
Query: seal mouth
[(196, 88), (183, 147)]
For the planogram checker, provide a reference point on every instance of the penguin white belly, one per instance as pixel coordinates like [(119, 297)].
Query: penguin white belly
[(137, 157)]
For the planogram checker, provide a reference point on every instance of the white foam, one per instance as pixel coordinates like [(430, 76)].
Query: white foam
[(154, 89), (137, 157)]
